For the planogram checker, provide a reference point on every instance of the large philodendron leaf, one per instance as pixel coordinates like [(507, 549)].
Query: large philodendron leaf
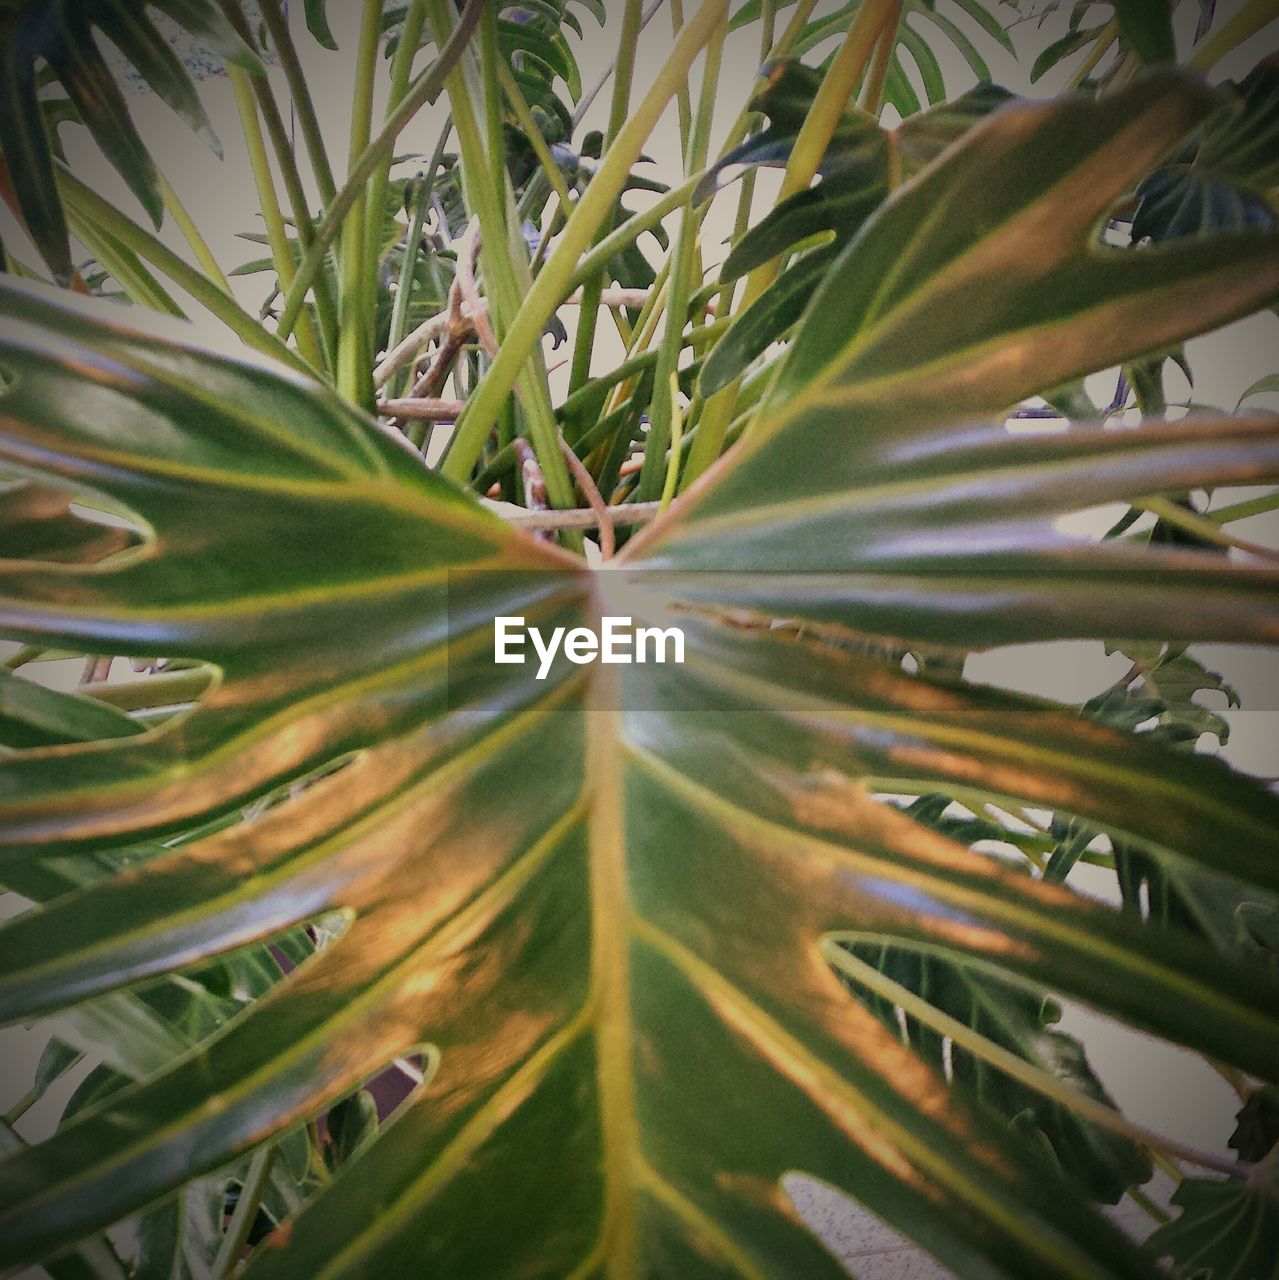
[(608, 909), (981, 282), (62, 34)]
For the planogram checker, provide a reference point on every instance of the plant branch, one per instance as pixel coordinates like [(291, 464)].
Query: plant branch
[(590, 491)]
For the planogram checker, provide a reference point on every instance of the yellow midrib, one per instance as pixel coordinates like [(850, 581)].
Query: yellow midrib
[(610, 981)]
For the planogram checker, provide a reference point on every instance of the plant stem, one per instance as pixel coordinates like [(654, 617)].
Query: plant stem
[(1147, 1205), (582, 517), (246, 1212), (1203, 527), (665, 407), (628, 40), (300, 91), (151, 249), (425, 89), (355, 356), (1242, 510), (168, 689), (401, 70), (191, 234), (683, 102), (404, 285), (837, 88), (873, 90), (1025, 1073), (630, 231), (1105, 38), (276, 232), (1254, 15), (124, 266), (677, 445), (717, 414), (282, 147), (504, 282), (552, 283), (515, 97)]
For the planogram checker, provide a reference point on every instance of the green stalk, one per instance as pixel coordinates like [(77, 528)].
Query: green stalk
[(664, 408), (695, 338), (191, 234), (490, 61), (631, 230), (837, 88), (746, 198), (715, 416), (246, 1212), (404, 285), (401, 71), (683, 101), (1105, 38), (1250, 19), (1202, 526), (677, 444), (276, 232), (873, 90), (1242, 510), (518, 104), (551, 286), (141, 287), (168, 689), (623, 77), (425, 89), (355, 355), (150, 249), (505, 284), (282, 148), (300, 92)]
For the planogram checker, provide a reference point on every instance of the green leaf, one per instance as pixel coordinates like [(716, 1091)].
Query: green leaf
[(38, 522), (766, 321), (32, 716), (317, 22), (469, 812), (1257, 1125), (924, 320), (61, 33), (1226, 1230), (606, 907), (1147, 27), (1270, 383), (860, 164), (352, 1125), (1070, 43)]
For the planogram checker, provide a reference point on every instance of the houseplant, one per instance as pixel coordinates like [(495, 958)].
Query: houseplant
[(649, 941)]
